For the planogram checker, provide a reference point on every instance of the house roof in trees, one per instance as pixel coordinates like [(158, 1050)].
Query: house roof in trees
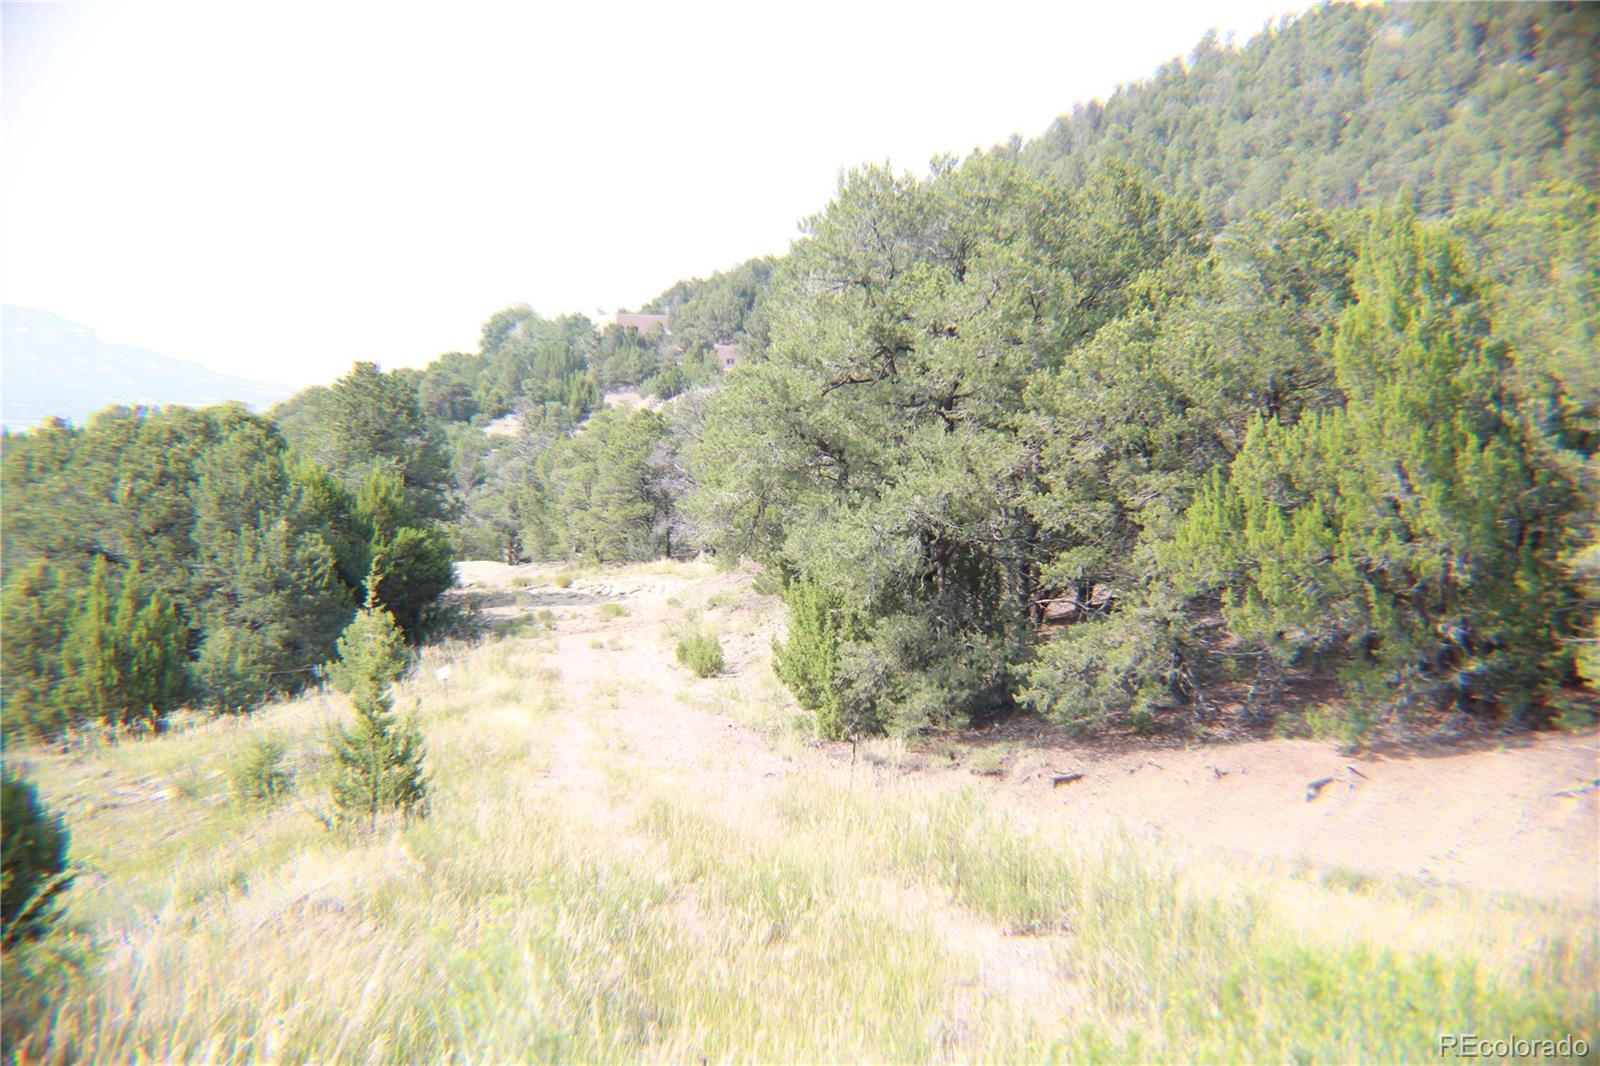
[(645, 324)]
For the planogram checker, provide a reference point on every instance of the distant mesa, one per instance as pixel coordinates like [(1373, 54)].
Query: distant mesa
[(51, 367)]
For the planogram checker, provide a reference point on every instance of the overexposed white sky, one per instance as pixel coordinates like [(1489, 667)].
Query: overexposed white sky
[(278, 189)]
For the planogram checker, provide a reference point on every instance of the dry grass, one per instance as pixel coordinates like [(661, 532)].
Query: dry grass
[(571, 898)]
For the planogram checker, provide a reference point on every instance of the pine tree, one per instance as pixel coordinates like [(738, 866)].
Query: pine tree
[(36, 609), (378, 762), (409, 572), (1417, 536), (125, 654)]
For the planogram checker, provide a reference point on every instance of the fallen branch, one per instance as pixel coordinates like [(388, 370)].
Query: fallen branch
[(1590, 787), (1064, 779)]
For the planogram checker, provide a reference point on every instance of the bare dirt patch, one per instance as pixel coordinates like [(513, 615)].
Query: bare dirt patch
[(1486, 816)]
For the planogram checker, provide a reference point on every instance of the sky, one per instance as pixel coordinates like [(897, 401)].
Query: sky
[(279, 189)]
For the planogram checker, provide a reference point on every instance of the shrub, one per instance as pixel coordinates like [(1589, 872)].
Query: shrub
[(1348, 724), (808, 663), (377, 765), (701, 652), (563, 581), (612, 610), (33, 862), (260, 776), (515, 627)]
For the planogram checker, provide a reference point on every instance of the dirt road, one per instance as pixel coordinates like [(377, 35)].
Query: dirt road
[(1492, 817)]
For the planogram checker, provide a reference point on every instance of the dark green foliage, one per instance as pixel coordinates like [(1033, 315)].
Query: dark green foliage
[(1586, 650), (526, 360), (326, 506), (729, 307), (701, 651), (196, 520), (1092, 425), (598, 494), (1416, 537), (1127, 666), (234, 669), (1057, 442), (124, 654), (378, 762), (446, 393), (266, 585), (371, 420), (34, 624), (409, 572), (380, 486), (879, 449), (623, 358), (33, 862)]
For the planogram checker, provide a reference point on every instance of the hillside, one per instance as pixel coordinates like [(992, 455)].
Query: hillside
[(55, 368), (1447, 105), (625, 862), (1131, 596)]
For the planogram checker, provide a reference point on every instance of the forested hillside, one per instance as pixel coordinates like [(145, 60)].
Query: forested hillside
[(1446, 105), (1275, 373)]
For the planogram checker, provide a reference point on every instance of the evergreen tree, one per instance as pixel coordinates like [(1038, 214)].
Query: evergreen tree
[(884, 450), (269, 598), (1418, 537), (33, 861), (125, 653), (595, 493), (370, 419), (36, 613), (410, 570), (377, 762), (808, 660)]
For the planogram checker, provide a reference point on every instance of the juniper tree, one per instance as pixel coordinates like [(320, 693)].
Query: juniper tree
[(885, 448), (125, 653), (1415, 538), (377, 762)]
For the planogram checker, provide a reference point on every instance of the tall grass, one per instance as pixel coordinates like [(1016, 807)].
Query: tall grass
[(645, 912)]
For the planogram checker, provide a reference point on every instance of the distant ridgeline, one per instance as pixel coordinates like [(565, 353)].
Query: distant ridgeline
[(1274, 374), (54, 368)]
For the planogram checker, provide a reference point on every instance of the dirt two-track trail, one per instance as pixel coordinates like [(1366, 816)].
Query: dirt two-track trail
[(1511, 815)]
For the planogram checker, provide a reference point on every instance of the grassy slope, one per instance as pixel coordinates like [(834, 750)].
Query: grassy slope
[(577, 895)]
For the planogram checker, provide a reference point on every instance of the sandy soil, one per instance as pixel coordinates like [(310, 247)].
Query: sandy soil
[(1487, 817)]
